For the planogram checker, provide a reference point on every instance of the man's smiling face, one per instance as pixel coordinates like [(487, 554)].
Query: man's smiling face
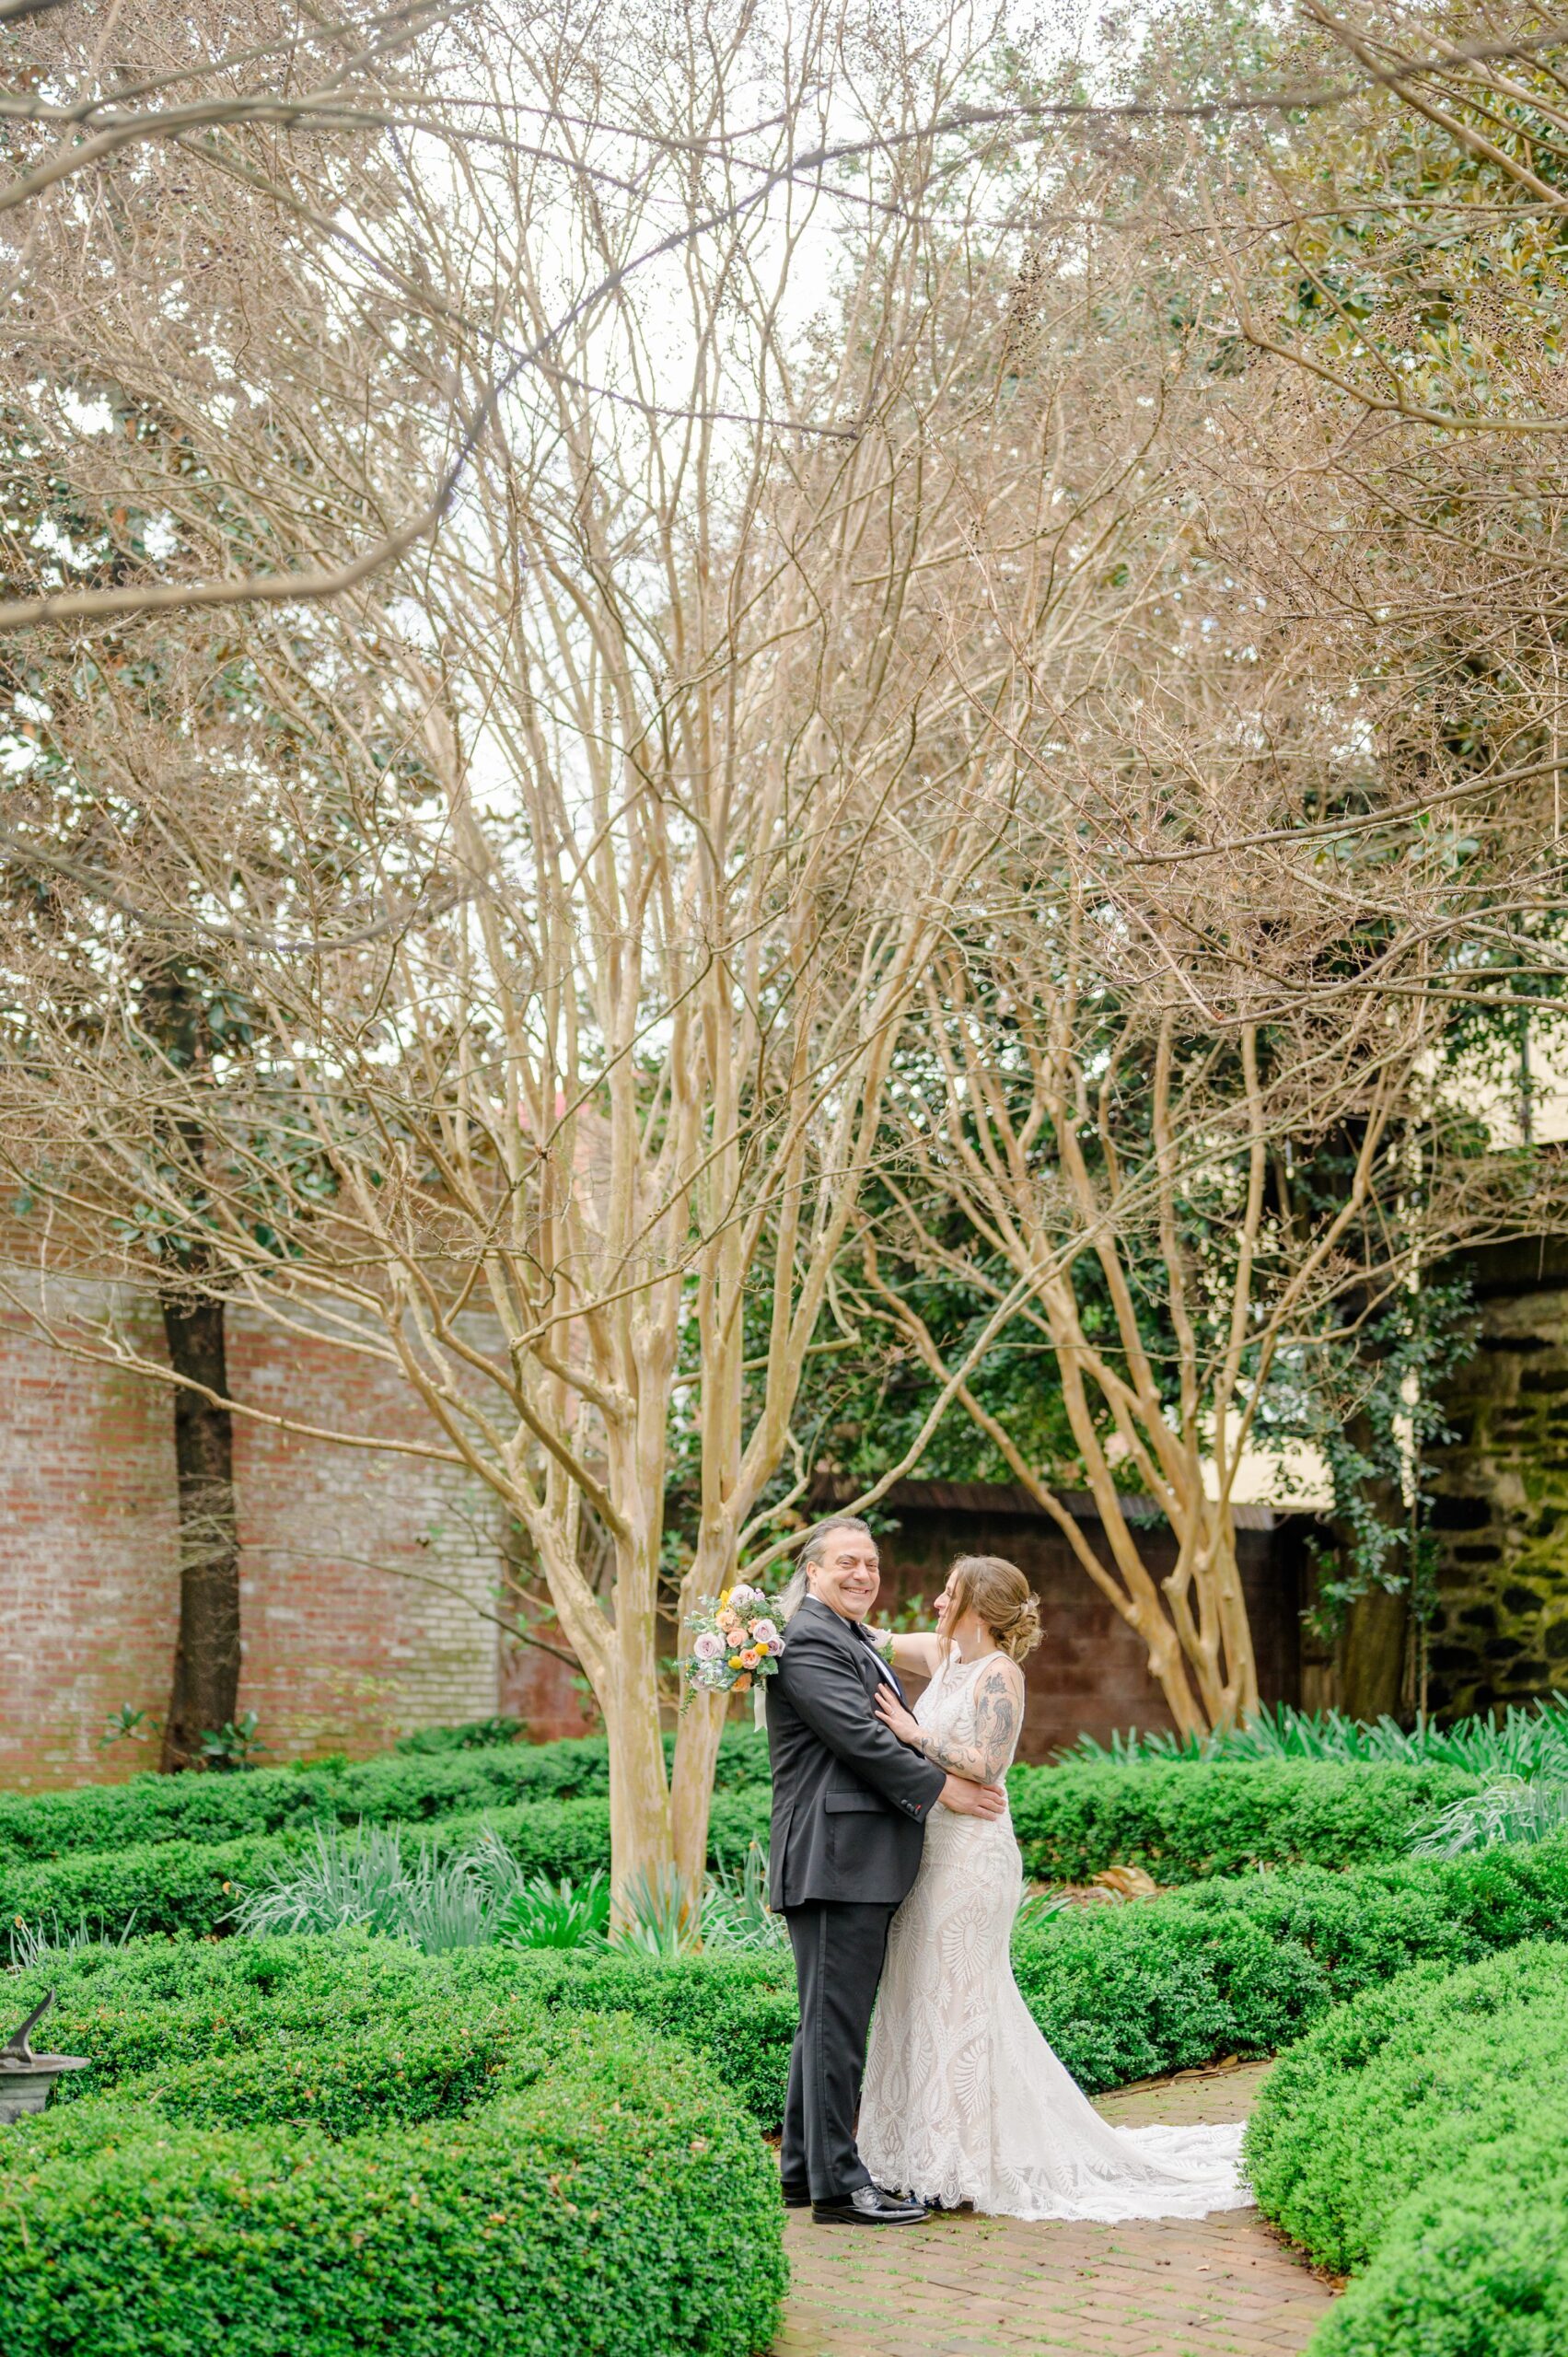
[(847, 1578)]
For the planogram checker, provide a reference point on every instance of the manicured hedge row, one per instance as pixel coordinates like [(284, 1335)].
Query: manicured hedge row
[(192, 1886), (1186, 1821), (1247, 1966), (394, 1789), (156, 2002), (129, 2008), (1244, 1966), (557, 2194), (1423, 2128)]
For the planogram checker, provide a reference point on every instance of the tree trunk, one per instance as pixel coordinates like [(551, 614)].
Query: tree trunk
[(206, 1691), (639, 1795), (692, 1787), (1372, 1643), (1372, 1655)]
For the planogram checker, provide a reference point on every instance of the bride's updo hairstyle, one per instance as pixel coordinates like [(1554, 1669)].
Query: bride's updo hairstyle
[(1002, 1598)]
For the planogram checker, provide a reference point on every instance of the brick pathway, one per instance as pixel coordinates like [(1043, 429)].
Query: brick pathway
[(962, 2286)]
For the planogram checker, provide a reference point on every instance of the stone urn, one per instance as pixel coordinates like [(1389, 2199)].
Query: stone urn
[(25, 2077)]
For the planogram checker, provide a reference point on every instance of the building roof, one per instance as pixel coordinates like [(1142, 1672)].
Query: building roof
[(1011, 1498)]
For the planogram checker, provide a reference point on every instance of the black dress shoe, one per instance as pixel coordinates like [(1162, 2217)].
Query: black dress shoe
[(869, 2206), (796, 2193)]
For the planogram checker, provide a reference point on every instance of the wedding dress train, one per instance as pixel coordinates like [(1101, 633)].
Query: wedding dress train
[(963, 2099)]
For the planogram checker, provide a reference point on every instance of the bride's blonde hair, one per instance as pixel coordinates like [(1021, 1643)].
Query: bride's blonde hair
[(1002, 1596)]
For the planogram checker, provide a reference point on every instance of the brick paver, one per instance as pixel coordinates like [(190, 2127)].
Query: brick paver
[(962, 2286)]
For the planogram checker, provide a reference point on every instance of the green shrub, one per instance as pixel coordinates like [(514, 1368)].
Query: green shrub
[(141, 2007), (1243, 1966), (1422, 2128), (320, 2147), (1247, 1966), (1475, 2265), (394, 1789), (1400, 2087), (473, 1734), (735, 2010), (571, 2215), (1183, 1823), (196, 1886), (130, 2009)]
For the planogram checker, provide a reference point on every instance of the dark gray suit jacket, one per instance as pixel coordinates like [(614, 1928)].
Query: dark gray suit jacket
[(850, 1800)]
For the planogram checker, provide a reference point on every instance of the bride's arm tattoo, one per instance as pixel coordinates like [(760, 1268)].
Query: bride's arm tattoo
[(998, 1707)]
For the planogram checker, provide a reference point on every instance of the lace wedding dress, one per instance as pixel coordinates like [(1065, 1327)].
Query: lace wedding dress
[(963, 2099)]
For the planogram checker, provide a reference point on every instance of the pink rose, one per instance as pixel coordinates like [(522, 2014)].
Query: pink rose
[(764, 1632), (708, 1647)]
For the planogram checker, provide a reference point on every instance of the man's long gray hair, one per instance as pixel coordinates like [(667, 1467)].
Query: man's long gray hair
[(813, 1548)]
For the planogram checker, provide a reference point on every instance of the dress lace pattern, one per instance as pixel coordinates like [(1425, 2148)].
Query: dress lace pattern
[(963, 2099)]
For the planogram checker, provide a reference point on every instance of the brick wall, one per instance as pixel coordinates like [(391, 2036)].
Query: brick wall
[(366, 1573), (361, 1570), (1090, 1674)]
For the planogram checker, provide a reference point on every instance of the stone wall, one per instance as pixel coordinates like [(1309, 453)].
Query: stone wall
[(1501, 1510)]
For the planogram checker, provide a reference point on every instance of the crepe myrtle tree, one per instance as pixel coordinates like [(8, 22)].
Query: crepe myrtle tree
[(1192, 1085), (618, 834)]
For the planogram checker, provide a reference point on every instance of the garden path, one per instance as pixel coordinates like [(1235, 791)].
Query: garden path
[(990, 2287)]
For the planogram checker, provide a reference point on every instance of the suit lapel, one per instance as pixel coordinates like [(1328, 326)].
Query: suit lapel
[(857, 1645)]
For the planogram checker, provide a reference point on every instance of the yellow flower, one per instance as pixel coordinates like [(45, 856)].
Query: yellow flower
[(734, 1661)]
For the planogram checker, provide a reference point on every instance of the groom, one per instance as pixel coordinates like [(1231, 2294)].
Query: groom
[(850, 1805)]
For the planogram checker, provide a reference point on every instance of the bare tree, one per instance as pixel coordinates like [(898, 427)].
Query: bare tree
[(1292, 841), (586, 929)]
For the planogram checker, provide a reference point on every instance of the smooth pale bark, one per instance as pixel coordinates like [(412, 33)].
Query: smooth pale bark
[(639, 1794)]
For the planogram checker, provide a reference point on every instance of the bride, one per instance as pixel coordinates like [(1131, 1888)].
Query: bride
[(963, 2099)]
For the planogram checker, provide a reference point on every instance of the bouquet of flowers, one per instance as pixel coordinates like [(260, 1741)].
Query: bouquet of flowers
[(738, 1638)]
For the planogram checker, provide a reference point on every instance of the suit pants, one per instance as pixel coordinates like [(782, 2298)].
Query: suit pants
[(839, 1947)]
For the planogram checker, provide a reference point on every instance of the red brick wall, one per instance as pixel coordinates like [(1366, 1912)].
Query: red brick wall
[(1090, 1673), (87, 1582), (360, 1569)]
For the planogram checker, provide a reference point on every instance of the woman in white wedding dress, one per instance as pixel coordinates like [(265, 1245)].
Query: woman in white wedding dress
[(963, 2099)]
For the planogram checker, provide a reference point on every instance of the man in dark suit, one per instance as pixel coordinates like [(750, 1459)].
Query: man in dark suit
[(850, 1805)]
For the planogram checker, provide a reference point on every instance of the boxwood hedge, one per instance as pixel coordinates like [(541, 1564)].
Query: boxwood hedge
[(1248, 1965), (397, 1789), (1241, 1966), (129, 2008), (354, 2148), (1185, 1821), (1421, 2133), (191, 1885)]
